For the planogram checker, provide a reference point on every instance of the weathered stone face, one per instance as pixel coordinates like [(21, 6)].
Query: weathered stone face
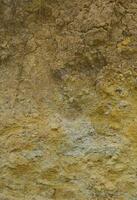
[(68, 100)]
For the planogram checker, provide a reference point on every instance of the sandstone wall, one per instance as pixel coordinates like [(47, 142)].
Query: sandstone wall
[(68, 100)]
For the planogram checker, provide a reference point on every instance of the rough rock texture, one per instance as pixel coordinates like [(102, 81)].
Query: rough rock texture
[(68, 100)]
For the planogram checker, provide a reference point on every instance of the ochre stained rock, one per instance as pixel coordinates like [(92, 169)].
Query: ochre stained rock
[(68, 100)]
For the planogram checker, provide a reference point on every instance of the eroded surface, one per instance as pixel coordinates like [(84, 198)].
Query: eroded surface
[(68, 100)]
